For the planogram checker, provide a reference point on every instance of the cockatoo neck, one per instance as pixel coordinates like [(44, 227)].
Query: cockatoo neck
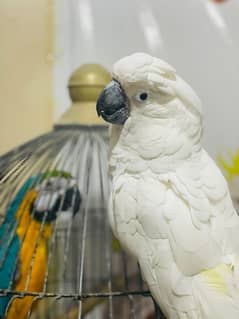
[(158, 144)]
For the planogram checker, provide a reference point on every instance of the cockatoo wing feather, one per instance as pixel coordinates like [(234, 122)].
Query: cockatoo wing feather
[(174, 227)]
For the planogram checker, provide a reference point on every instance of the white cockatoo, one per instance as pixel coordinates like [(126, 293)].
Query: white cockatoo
[(170, 205)]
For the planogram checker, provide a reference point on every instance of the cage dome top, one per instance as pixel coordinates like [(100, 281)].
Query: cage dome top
[(87, 81)]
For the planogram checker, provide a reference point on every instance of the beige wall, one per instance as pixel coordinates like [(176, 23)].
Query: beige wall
[(26, 95)]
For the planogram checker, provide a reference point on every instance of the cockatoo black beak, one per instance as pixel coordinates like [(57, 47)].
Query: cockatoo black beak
[(112, 104)]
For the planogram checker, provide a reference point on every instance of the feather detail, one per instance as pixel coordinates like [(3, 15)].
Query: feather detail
[(10, 243)]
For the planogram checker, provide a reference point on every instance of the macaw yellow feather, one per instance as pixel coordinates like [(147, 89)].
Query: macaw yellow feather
[(29, 232)]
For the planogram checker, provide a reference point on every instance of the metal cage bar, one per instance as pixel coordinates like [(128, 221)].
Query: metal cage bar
[(84, 272)]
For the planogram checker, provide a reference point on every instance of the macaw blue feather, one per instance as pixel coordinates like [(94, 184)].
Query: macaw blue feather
[(10, 244), (7, 270), (16, 203)]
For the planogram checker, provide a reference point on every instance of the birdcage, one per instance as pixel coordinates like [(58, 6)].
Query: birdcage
[(58, 256)]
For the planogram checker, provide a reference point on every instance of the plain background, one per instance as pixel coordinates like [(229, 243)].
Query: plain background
[(198, 37)]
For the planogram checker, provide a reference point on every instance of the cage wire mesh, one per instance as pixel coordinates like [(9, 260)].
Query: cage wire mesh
[(85, 272)]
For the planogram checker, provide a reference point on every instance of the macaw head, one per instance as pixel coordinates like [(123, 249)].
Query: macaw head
[(58, 192)]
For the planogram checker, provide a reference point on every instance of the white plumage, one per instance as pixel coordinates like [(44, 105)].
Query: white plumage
[(170, 205)]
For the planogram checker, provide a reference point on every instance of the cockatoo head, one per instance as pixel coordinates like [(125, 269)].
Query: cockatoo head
[(148, 87)]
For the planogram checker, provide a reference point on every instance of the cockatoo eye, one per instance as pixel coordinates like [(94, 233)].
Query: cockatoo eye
[(142, 96)]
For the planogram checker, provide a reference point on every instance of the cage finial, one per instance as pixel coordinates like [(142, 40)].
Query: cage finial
[(85, 85)]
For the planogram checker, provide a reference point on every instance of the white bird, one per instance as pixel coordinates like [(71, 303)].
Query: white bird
[(170, 205)]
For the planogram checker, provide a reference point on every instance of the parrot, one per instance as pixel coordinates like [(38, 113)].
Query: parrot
[(55, 195), (170, 206), (10, 244)]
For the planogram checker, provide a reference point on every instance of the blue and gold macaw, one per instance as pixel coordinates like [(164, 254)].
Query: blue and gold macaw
[(36, 210), (10, 244)]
